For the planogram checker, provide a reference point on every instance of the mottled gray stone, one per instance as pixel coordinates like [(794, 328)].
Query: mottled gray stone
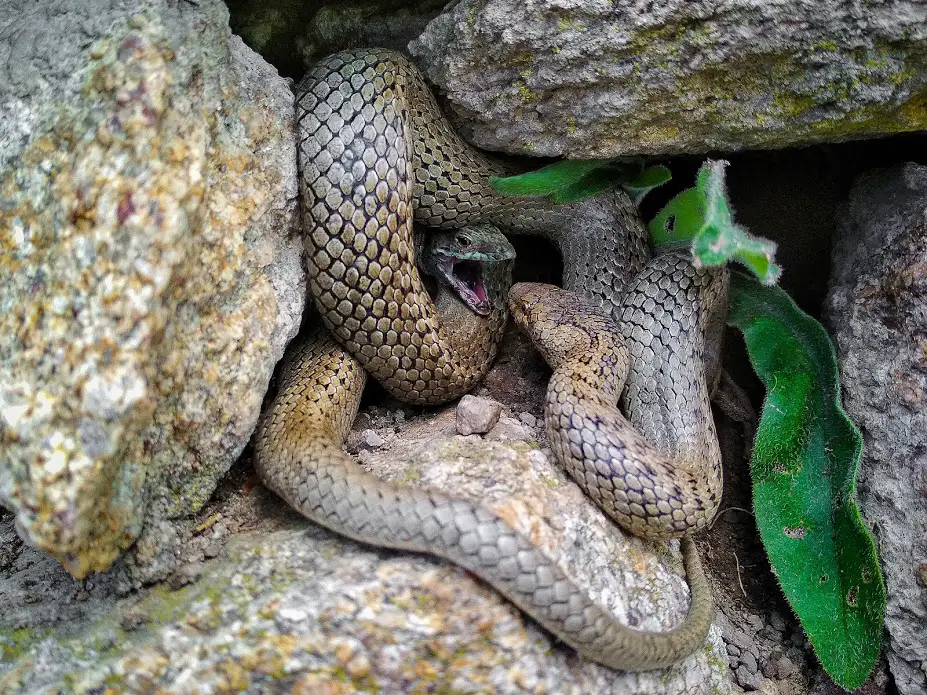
[(150, 272), (476, 415), (877, 308), (748, 679), (785, 667), (587, 78), (509, 430), (371, 440)]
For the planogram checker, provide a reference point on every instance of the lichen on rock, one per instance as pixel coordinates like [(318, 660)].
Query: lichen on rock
[(149, 278), (586, 79)]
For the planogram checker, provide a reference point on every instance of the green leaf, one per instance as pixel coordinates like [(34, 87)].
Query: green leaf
[(701, 216), (549, 180), (574, 179), (597, 180), (804, 467), (649, 178)]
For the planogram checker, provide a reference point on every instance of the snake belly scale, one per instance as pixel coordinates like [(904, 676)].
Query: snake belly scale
[(373, 150)]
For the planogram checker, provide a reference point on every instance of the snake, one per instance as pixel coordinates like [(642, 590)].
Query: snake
[(375, 153)]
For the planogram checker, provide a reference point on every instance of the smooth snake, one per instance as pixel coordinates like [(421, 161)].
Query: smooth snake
[(374, 151)]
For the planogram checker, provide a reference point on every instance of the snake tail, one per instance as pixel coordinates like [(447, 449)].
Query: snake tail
[(299, 456)]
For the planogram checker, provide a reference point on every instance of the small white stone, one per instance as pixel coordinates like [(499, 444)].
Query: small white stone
[(292, 614), (510, 430), (477, 415), (371, 440)]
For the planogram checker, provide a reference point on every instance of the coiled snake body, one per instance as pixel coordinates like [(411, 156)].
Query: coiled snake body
[(373, 148)]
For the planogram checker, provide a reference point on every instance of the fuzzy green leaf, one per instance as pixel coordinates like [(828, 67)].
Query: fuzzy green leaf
[(549, 180), (574, 179), (804, 468), (646, 181), (701, 215), (600, 179)]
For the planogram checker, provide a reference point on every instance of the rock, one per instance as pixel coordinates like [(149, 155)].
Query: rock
[(785, 668), (592, 79), (777, 622), (185, 574), (747, 679), (371, 440), (528, 420), (748, 660), (477, 415), (877, 308), (741, 639), (295, 35), (509, 430), (289, 602), (150, 275)]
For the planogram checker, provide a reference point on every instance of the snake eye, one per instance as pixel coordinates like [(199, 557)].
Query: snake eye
[(463, 239)]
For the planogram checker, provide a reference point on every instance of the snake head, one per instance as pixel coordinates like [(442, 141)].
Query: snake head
[(534, 304), (561, 323), (458, 258)]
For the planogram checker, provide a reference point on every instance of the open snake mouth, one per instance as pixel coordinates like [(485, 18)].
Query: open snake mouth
[(466, 277)]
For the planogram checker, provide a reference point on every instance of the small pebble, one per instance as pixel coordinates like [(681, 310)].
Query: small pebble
[(747, 659), (777, 621), (211, 550), (358, 667), (294, 615), (185, 574), (477, 415), (133, 618), (509, 430), (528, 419), (770, 633), (756, 622), (746, 679), (741, 639), (785, 667), (219, 530), (768, 669), (370, 440), (733, 650)]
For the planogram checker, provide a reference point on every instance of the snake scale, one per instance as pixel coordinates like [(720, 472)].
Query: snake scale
[(374, 151)]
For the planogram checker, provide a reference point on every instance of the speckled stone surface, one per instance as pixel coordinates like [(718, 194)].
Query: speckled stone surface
[(289, 607), (877, 308), (149, 267), (589, 78)]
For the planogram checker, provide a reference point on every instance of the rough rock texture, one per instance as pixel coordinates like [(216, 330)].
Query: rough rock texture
[(283, 604), (477, 415), (149, 272), (877, 308), (294, 34), (587, 78)]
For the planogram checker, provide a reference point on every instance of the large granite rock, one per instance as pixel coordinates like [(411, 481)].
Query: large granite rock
[(877, 308), (149, 271), (586, 78)]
